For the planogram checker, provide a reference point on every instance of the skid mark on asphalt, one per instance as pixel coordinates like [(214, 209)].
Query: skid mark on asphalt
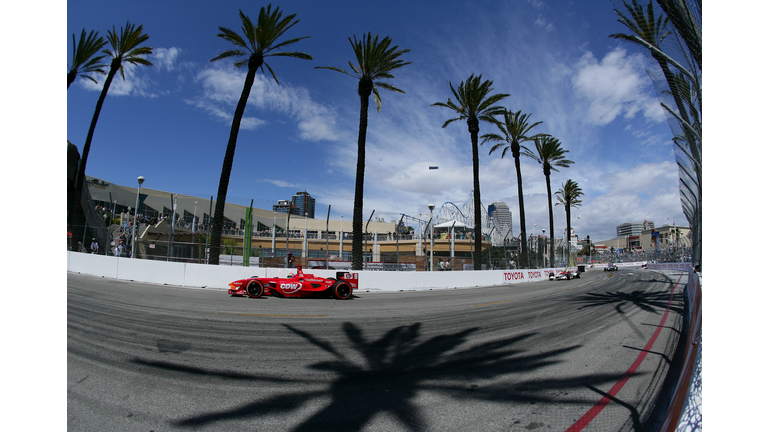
[(486, 304), (271, 315)]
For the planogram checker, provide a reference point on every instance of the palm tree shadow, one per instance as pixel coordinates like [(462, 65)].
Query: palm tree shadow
[(387, 373), (654, 302)]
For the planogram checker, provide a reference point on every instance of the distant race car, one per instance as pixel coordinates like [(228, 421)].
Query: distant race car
[(611, 267), (297, 285), (567, 275)]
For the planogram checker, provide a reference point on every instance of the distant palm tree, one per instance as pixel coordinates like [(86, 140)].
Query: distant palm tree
[(260, 42), (124, 47), (83, 60), (514, 132), (569, 196), (475, 104), (549, 154), (375, 61)]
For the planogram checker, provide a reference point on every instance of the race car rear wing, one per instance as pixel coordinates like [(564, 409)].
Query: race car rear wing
[(350, 278)]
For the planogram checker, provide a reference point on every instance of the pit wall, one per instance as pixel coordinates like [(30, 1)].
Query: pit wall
[(217, 277)]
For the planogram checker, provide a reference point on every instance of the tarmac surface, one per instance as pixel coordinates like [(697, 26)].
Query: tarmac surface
[(586, 354)]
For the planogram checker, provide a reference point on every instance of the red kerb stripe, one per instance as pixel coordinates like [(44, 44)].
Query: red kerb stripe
[(595, 410)]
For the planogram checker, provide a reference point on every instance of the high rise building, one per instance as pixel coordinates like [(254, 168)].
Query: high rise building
[(499, 211), (283, 206), (633, 228), (304, 203)]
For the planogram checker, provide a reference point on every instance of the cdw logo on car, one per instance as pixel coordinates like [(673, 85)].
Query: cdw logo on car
[(290, 287)]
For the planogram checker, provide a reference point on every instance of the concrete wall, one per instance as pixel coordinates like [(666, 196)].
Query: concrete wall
[(217, 277)]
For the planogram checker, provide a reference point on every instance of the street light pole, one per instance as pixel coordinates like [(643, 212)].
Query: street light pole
[(341, 239), (306, 244), (135, 218), (274, 220), (535, 246), (194, 222), (431, 238), (397, 239)]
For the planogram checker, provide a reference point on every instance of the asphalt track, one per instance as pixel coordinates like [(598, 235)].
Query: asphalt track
[(587, 354)]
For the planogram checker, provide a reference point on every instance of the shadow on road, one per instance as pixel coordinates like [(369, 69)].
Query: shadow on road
[(395, 368), (654, 302)]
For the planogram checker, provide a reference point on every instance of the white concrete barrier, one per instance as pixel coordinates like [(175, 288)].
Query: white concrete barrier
[(96, 265), (215, 277), (218, 277), (685, 266)]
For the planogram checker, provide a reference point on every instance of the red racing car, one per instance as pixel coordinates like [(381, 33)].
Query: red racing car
[(297, 285)]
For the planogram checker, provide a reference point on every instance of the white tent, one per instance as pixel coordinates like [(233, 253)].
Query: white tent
[(449, 224)]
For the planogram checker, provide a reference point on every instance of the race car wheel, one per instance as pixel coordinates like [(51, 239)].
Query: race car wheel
[(341, 290), (254, 289)]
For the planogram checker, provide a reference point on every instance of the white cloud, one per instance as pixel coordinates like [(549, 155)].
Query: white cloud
[(279, 183), (165, 58), (541, 22), (225, 116), (222, 89), (136, 83), (617, 85)]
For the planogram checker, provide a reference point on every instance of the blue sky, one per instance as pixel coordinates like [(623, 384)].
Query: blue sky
[(170, 122)]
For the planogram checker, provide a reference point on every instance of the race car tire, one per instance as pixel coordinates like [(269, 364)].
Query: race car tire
[(341, 290), (254, 289)]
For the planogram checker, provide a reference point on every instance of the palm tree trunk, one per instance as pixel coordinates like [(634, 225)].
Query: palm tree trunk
[(523, 243), (221, 198), (76, 197), (474, 129), (87, 146), (364, 89), (551, 223)]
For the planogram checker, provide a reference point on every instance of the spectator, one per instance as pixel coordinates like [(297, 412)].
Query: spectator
[(94, 246), (289, 260)]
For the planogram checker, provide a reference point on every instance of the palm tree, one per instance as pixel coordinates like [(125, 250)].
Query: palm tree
[(475, 104), (124, 47), (514, 132), (375, 61), (649, 31), (549, 154), (260, 42), (569, 196), (83, 60)]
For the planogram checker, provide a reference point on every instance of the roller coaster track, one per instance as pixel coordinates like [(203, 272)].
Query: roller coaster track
[(465, 214)]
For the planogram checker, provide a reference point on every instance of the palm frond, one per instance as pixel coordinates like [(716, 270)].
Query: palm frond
[(84, 59), (375, 60), (260, 40), (286, 43), (232, 37), (569, 194), (271, 72), (474, 101), (298, 55), (229, 53), (125, 46), (642, 24), (376, 98)]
